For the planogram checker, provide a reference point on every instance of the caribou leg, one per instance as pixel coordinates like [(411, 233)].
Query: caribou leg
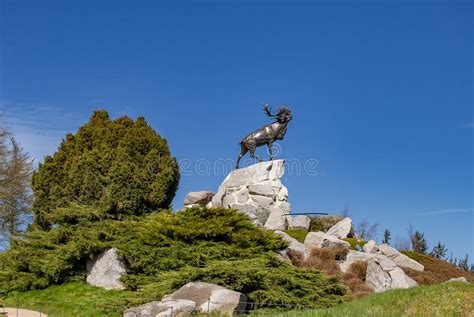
[(270, 150), (242, 153), (252, 154)]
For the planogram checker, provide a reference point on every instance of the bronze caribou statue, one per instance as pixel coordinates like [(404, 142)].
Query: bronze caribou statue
[(266, 135)]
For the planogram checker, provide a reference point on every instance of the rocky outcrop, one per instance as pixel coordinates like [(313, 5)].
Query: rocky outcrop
[(210, 298), (323, 240), (170, 308), (105, 270), (341, 229), (399, 258), (383, 275), (201, 198), (294, 245), (258, 192), (370, 247), (300, 222)]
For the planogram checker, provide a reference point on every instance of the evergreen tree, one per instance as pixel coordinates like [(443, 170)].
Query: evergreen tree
[(463, 264), (439, 251), (386, 236), (117, 166), (418, 242)]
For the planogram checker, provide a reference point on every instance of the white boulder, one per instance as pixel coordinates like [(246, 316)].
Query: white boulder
[(105, 270), (383, 275), (301, 222), (211, 298), (341, 229), (355, 256), (170, 308), (370, 247), (323, 240), (399, 258)]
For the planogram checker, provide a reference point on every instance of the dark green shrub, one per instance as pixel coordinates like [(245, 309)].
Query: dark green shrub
[(117, 166), (163, 251)]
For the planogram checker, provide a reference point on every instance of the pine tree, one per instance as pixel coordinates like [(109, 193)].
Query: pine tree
[(439, 251), (15, 191), (418, 242), (463, 264), (386, 236)]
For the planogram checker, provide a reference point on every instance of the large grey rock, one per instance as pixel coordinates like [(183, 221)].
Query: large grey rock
[(383, 275), (277, 220), (301, 222), (105, 270), (322, 240), (211, 298), (257, 185), (294, 245), (370, 247), (170, 308), (198, 198), (461, 279), (341, 229), (399, 258)]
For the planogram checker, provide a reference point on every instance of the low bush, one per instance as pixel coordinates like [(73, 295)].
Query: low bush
[(163, 251), (324, 223), (327, 260)]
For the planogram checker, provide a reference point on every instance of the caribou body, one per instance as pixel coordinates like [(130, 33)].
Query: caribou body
[(266, 135)]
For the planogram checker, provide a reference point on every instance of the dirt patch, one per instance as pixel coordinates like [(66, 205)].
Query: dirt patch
[(13, 312)]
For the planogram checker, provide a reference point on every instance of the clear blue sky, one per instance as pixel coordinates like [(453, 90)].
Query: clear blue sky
[(382, 94)]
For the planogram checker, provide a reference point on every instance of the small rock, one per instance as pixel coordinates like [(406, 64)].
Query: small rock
[(341, 229), (105, 270), (300, 222), (399, 258), (199, 198), (370, 247), (169, 308), (211, 298), (461, 279), (322, 240)]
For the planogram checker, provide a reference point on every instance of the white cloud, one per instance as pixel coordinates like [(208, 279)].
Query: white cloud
[(448, 211), (39, 129)]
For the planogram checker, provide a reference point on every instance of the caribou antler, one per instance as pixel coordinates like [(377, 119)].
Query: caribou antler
[(268, 110)]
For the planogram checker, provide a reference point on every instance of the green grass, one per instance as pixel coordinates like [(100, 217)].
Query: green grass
[(450, 299), (298, 234), (72, 299), (80, 299), (353, 242)]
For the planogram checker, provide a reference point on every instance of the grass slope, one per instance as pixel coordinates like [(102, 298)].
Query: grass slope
[(436, 270), (71, 299), (449, 299)]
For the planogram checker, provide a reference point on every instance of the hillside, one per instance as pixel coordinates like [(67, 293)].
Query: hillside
[(449, 299)]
